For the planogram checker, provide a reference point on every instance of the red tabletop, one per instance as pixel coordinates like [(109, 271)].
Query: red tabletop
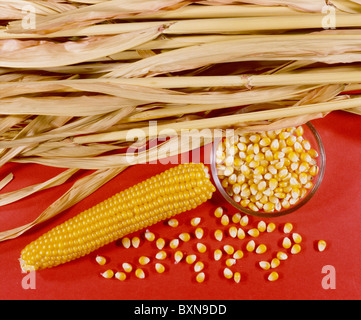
[(333, 215)]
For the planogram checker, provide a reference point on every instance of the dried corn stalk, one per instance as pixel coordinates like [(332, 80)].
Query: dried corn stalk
[(90, 71)]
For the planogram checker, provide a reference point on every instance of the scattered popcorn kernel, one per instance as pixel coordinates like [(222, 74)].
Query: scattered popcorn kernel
[(160, 243), (173, 223), (161, 255), (201, 247), (126, 242), (191, 258), (174, 243), (228, 249), (139, 273), (241, 234), (120, 275), (198, 266), (100, 260), (286, 243), (236, 218), (199, 233), (232, 231), (200, 277), (108, 274), (262, 248), (127, 267), (275, 263), (178, 256), (244, 221), (237, 277), (225, 220), (287, 227), (217, 254), (253, 232), (238, 255), (149, 236), (159, 267), (296, 237), (135, 242), (143, 260), (321, 245), (273, 276), (296, 248), (230, 262), (185, 236), (282, 255), (265, 265), (218, 212), (227, 273), (195, 221), (261, 226), (250, 246), (218, 234)]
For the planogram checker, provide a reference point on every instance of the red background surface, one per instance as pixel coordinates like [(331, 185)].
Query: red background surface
[(333, 214)]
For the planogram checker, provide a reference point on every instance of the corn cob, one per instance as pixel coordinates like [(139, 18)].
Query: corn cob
[(176, 190)]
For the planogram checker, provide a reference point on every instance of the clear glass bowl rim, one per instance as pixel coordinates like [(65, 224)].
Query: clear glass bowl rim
[(316, 185)]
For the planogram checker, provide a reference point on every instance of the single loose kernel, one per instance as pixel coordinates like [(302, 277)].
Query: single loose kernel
[(143, 260), (253, 232), (296, 237), (287, 227), (286, 243), (201, 247), (174, 243), (241, 234), (139, 273), (262, 248), (228, 274), (228, 249), (271, 227), (275, 263), (244, 221), (108, 274), (135, 242), (126, 242), (178, 256), (230, 262), (321, 245), (250, 246), (161, 255), (198, 266), (218, 212), (195, 221), (218, 235), (159, 267), (185, 236), (261, 226), (173, 223), (200, 277), (199, 233), (160, 243), (296, 248), (191, 258), (232, 231), (273, 276), (217, 254), (150, 236), (120, 276), (238, 255), (225, 220), (237, 277), (236, 217), (282, 255), (101, 260), (127, 267), (265, 265)]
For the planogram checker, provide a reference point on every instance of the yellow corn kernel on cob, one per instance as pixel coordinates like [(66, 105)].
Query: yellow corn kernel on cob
[(174, 191)]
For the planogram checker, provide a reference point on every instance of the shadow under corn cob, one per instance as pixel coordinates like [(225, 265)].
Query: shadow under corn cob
[(174, 191)]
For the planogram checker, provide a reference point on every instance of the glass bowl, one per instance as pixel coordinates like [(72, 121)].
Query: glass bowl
[(309, 134)]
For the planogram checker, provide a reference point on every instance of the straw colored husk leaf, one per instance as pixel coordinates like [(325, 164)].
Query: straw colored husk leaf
[(4, 182), (38, 54), (82, 188)]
